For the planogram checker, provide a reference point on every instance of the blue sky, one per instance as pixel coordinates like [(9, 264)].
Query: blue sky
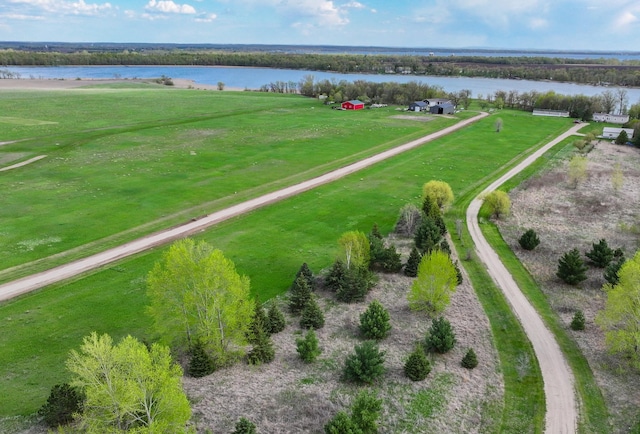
[(518, 24)]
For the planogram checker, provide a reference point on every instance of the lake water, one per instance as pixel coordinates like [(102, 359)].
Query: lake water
[(254, 78)]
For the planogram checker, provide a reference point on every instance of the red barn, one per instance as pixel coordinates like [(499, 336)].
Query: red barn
[(354, 104)]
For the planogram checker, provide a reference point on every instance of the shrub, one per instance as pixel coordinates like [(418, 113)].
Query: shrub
[(201, 363), (440, 337), (571, 268), (411, 268), (245, 426), (307, 347), (470, 360), (275, 320), (366, 364), (374, 322), (578, 321), (299, 295), (622, 138), (408, 220), (529, 240), (312, 317), (365, 411), (600, 254), (341, 423), (459, 276), (417, 366), (63, 402)]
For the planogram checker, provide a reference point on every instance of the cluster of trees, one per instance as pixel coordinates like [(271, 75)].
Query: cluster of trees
[(572, 268)]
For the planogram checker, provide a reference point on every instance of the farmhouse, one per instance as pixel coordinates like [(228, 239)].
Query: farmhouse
[(436, 101), (555, 113), (614, 119), (446, 108), (354, 104), (613, 133), (418, 106)]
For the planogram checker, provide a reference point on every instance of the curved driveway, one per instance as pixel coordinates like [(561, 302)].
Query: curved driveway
[(561, 416), (66, 271)]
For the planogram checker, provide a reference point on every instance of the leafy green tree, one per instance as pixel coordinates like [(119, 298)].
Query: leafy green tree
[(417, 366), (578, 321), (366, 364), (411, 267), (498, 203), (63, 402), (276, 321), (128, 386), (427, 236), (244, 426), (436, 281), (312, 317), (440, 337), (374, 322), (600, 254), (620, 319), (308, 347), (196, 293), (439, 191), (365, 411), (571, 268), (577, 170), (354, 249), (470, 360), (612, 270), (299, 295), (529, 240), (337, 276), (201, 363)]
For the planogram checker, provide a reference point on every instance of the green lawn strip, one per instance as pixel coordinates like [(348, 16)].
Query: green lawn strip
[(268, 245)]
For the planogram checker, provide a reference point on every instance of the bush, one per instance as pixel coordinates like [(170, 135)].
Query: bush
[(417, 366), (459, 276), (312, 317), (307, 347), (374, 322), (63, 402), (529, 240), (440, 337), (578, 321), (571, 268), (341, 423), (600, 254), (411, 268), (275, 320), (470, 360), (366, 364), (365, 412), (299, 295), (201, 363), (245, 426)]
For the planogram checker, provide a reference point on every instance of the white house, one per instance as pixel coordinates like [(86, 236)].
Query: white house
[(436, 101), (613, 133), (614, 119)]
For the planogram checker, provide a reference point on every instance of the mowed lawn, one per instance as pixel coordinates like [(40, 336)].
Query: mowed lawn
[(268, 245), (122, 163)]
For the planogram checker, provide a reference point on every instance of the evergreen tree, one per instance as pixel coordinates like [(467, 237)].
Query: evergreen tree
[(529, 240), (63, 402), (258, 323), (337, 276), (366, 364), (444, 246), (611, 272), (312, 317), (299, 295), (308, 347), (411, 268), (342, 423), (578, 321), (431, 210), (245, 426), (440, 337), (622, 138), (459, 276), (470, 360), (365, 411), (262, 351), (374, 322), (600, 254), (375, 232), (356, 285), (201, 363), (417, 366), (571, 268), (276, 321), (305, 272), (427, 235)]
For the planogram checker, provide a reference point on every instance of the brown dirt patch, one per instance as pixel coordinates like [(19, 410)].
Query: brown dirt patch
[(567, 218)]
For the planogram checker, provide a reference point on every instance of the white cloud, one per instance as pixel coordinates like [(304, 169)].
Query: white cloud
[(354, 5), (322, 12), (206, 18), (65, 7), (625, 19), (538, 23), (169, 7)]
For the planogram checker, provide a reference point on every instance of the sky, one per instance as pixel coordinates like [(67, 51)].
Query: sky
[(597, 25)]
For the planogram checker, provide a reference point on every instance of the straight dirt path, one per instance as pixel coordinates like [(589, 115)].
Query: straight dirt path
[(562, 415), (66, 271)]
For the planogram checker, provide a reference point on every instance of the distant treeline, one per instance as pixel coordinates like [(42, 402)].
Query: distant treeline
[(585, 71)]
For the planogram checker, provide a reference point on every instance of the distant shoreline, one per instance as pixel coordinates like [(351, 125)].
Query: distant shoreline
[(64, 84)]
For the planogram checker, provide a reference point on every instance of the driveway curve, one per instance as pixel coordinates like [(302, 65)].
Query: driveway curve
[(561, 415), (66, 271)]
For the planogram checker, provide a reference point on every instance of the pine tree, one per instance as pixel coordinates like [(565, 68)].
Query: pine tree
[(365, 411), (600, 254), (337, 276), (440, 337), (262, 351), (470, 360), (411, 268), (417, 366), (299, 295), (258, 323), (578, 321), (374, 322), (529, 240), (431, 210), (459, 276), (571, 268), (201, 363), (305, 272), (245, 426), (366, 364), (341, 423), (276, 321), (427, 235), (355, 286), (63, 402), (611, 272), (312, 317), (308, 347)]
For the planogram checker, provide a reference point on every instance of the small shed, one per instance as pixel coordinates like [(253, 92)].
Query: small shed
[(445, 108), (555, 113), (418, 106), (353, 104), (608, 117), (613, 133)]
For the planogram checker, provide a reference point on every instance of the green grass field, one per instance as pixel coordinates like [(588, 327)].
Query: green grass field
[(269, 244)]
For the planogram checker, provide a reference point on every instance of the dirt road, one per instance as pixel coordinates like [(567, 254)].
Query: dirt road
[(48, 277), (562, 415)]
